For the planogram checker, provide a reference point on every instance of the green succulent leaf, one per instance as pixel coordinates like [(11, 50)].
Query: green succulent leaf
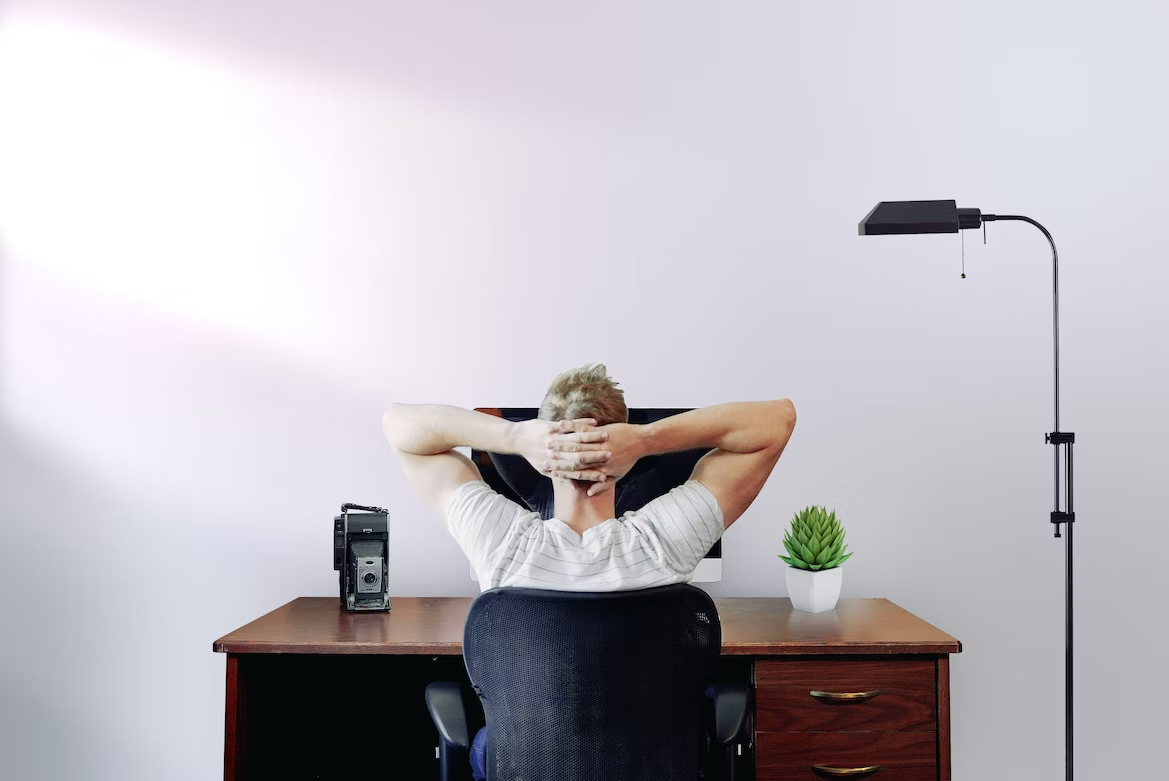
[(836, 562), (815, 540)]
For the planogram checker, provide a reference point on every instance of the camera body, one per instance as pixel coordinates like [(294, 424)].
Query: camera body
[(361, 556)]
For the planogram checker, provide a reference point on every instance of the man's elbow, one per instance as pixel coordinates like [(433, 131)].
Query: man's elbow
[(785, 420), (391, 423), (789, 411)]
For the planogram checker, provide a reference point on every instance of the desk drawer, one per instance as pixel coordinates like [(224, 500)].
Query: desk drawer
[(792, 756), (784, 703)]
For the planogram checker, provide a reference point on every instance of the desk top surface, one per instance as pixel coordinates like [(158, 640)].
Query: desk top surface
[(434, 626)]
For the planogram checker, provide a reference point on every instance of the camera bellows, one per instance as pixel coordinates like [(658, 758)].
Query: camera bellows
[(361, 557)]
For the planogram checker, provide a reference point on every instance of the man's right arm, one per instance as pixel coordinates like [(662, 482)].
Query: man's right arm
[(748, 438)]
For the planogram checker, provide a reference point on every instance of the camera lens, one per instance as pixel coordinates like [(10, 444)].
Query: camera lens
[(370, 578)]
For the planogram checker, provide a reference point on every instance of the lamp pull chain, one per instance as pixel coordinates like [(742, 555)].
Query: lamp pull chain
[(962, 239)]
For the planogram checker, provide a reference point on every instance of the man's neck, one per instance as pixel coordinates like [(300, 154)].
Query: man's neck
[(578, 510)]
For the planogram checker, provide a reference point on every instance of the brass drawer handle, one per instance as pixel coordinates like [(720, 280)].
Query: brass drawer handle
[(848, 772), (845, 696)]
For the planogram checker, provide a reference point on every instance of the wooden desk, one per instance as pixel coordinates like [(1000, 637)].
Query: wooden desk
[(314, 692)]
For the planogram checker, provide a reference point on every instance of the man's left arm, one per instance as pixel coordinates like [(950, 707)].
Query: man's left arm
[(425, 437)]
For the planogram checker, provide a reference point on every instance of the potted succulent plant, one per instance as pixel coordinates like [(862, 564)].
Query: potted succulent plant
[(816, 549)]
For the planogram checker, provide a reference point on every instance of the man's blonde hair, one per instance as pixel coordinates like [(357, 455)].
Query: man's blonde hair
[(587, 392)]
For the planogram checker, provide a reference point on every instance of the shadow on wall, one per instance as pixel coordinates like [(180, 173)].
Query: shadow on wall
[(42, 741), (109, 606), (56, 695)]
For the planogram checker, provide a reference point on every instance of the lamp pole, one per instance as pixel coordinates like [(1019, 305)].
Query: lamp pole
[(906, 217)]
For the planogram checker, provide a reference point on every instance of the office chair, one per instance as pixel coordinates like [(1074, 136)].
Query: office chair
[(592, 687)]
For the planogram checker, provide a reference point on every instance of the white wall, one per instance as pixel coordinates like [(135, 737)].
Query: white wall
[(232, 231)]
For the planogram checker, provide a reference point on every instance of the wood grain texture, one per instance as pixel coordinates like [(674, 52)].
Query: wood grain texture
[(771, 627), (907, 701), (319, 625), (434, 625), (789, 756), (943, 684)]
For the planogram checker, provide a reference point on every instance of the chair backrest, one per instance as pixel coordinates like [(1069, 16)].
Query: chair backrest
[(593, 687)]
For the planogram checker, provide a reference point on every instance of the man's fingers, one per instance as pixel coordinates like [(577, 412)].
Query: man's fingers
[(564, 444), (575, 447), (580, 474), (576, 441), (577, 461), (601, 486), (569, 426)]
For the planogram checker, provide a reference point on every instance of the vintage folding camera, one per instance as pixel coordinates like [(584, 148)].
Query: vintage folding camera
[(361, 556)]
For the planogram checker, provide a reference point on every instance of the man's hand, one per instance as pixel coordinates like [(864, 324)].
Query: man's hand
[(563, 445), (624, 443)]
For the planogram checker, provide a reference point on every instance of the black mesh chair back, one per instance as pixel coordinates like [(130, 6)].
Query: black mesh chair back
[(593, 687)]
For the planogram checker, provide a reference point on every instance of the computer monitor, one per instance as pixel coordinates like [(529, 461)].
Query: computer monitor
[(511, 475)]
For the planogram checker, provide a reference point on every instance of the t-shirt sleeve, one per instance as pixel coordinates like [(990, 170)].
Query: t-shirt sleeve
[(480, 520), (687, 522)]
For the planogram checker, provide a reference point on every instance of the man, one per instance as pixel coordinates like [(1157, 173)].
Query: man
[(582, 441)]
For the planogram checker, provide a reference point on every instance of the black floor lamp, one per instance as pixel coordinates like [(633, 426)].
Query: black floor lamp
[(901, 217)]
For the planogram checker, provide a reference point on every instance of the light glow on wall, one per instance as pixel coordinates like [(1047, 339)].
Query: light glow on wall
[(137, 174)]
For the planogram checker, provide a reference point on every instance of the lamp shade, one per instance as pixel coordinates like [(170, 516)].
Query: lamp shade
[(901, 217)]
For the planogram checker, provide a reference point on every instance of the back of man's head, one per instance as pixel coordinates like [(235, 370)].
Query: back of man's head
[(587, 392)]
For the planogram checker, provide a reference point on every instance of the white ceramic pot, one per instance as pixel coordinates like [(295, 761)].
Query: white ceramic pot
[(814, 592)]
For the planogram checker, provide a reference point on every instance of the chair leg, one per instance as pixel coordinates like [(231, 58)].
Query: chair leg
[(728, 773), (454, 762)]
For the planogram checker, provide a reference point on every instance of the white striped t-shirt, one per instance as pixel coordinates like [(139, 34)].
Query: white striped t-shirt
[(657, 545)]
